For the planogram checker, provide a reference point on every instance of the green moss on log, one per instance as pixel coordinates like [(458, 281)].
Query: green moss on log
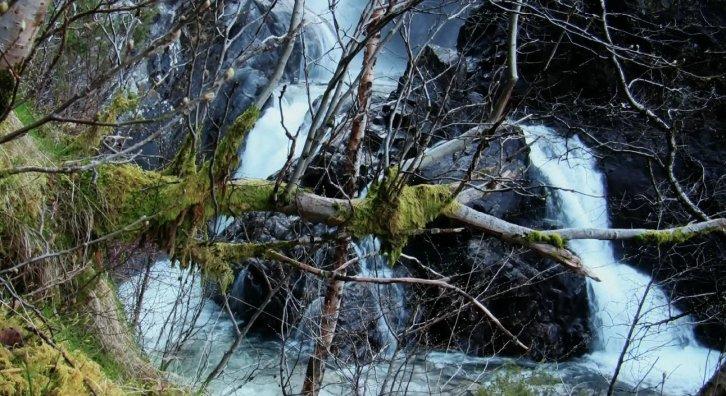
[(226, 157), (249, 196), (666, 237), (551, 238), (394, 219), (216, 260), (184, 162)]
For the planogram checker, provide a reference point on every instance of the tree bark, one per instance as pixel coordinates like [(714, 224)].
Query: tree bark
[(513, 75), (18, 26), (328, 323), (358, 127)]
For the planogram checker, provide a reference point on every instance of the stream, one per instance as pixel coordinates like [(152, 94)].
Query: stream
[(666, 353)]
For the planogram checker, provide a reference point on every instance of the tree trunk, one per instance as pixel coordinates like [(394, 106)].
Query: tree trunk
[(331, 304), (17, 29), (328, 322), (513, 75), (358, 128)]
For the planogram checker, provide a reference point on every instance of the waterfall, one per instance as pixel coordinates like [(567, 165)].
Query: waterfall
[(389, 299), (267, 145), (663, 352)]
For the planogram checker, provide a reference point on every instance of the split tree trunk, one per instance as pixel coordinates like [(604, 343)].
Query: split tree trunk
[(358, 127), (331, 305), (513, 75)]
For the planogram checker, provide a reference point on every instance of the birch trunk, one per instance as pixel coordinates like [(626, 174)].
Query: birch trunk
[(18, 26)]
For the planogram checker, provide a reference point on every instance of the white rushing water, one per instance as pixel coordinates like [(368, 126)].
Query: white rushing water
[(662, 352), (390, 304)]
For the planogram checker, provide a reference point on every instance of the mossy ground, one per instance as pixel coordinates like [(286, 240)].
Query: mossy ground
[(38, 368), (41, 212), (510, 380)]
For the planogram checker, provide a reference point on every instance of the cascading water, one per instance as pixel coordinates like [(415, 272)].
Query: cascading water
[(668, 347), (662, 352), (389, 299)]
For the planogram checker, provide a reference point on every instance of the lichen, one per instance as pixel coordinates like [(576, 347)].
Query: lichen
[(666, 236), (551, 238)]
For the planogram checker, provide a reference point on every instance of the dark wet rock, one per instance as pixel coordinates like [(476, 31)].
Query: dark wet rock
[(693, 271), (537, 299), (575, 74)]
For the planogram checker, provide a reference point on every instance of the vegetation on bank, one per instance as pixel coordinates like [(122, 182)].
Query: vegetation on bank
[(74, 336), (511, 380), (34, 366)]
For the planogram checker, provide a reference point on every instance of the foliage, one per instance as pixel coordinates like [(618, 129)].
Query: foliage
[(37, 367), (510, 380)]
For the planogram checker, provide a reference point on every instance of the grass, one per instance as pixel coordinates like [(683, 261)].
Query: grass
[(51, 145), (510, 380), (69, 330)]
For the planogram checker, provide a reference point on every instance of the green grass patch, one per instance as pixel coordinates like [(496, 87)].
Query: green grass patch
[(50, 144), (69, 329), (511, 380)]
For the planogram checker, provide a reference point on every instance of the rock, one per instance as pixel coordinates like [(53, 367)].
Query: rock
[(11, 337), (682, 272)]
